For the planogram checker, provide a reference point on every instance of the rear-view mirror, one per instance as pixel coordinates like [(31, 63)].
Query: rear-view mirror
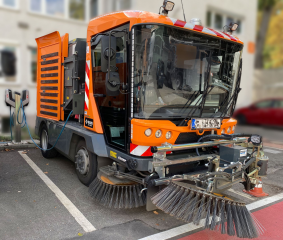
[(106, 53), (8, 63)]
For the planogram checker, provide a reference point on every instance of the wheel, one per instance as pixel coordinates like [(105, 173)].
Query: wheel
[(86, 164), (177, 83), (45, 145), (242, 119)]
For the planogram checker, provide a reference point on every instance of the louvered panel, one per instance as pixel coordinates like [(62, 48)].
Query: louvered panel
[(49, 84)]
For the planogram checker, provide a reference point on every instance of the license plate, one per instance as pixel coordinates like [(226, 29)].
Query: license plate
[(205, 123)]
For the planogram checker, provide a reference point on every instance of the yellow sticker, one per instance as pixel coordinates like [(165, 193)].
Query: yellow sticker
[(68, 78), (113, 154), (68, 98)]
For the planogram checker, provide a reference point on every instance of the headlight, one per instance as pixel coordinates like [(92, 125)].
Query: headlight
[(158, 133), (229, 130), (147, 132), (233, 128), (223, 131), (169, 6), (168, 135), (255, 139)]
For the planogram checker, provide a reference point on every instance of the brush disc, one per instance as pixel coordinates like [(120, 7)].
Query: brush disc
[(116, 193), (191, 205)]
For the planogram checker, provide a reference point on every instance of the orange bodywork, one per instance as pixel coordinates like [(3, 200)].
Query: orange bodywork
[(52, 49), (108, 22), (139, 126), (51, 53)]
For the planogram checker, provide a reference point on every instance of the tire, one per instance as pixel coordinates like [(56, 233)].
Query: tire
[(86, 164), (177, 83), (44, 144), (241, 119)]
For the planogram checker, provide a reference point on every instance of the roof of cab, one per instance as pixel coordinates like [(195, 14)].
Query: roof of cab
[(108, 21)]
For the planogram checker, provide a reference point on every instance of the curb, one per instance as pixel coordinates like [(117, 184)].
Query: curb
[(24, 144)]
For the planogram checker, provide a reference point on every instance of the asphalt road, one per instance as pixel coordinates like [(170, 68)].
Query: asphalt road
[(30, 210)]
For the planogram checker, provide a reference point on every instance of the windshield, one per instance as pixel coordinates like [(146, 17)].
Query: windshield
[(182, 74)]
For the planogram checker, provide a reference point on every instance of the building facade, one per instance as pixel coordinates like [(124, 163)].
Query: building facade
[(24, 20)]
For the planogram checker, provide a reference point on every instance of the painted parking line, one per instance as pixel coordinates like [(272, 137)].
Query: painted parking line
[(79, 217), (187, 228), (272, 151)]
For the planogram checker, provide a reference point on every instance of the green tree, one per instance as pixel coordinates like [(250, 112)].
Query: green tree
[(265, 7)]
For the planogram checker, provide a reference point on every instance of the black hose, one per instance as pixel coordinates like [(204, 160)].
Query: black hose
[(214, 137), (241, 135)]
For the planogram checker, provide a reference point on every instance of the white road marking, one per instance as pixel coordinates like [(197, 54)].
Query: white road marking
[(187, 228), (275, 148), (241, 194), (79, 217), (271, 151)]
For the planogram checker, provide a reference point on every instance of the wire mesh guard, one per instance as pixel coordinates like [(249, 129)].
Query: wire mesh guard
[(191, 205)]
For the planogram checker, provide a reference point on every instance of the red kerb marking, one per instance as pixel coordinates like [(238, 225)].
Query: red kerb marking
[(180, 23), (198, 28), (270, 218)]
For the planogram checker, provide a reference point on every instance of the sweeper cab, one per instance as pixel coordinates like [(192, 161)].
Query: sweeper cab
[(149, 101)]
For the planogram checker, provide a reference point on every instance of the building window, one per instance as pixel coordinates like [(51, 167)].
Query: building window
[(35, 5), (124, 4), (55, 7), (9, 3), (218, 20), (8, 62), (208, 19), (93, 8), (77, 9), (73, 9), (33, 64), (5, 126)]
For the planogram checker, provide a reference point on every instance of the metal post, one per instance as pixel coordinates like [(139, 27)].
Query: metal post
[(17, 125)]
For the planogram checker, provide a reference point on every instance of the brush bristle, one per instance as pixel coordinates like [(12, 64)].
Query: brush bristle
[(191, 205), (117, 196)]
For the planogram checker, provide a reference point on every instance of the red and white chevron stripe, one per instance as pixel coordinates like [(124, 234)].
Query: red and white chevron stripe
[(143, 151), (87, 85), (180, 23)]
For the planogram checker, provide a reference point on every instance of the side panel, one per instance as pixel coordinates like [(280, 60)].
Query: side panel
[(49, 80), (95, 142)]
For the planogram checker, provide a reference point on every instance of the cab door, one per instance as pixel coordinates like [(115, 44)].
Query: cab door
[(112, 109)]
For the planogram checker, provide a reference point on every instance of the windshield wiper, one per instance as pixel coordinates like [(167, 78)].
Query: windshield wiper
[(231, 101), (192, 98), (202, 99)]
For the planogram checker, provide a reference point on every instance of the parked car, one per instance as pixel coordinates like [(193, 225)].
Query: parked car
[(264, 112)]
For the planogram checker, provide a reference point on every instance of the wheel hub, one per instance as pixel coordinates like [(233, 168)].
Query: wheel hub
[(44, 140), (82, 161)]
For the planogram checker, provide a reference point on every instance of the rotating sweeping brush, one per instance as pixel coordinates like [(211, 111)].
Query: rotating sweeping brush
[(191, 205), (116, 193)]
